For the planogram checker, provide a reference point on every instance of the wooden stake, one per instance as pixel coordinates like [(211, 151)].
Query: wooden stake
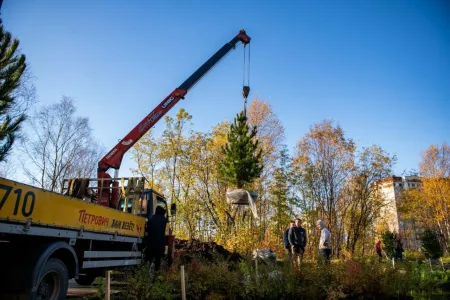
[(108, 285), (183, 285), (256, 270)]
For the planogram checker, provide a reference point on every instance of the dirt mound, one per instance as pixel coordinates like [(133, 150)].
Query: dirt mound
[(187, 249)]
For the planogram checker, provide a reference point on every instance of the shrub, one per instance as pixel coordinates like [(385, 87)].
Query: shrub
[(388, 239), (350, 279), (142, 285), (430, 244), (415, 255)]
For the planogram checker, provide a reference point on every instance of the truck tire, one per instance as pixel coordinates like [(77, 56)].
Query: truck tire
[(53, 281), (85, 279)]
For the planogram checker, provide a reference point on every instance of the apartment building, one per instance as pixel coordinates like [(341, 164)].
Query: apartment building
[(391, 189)]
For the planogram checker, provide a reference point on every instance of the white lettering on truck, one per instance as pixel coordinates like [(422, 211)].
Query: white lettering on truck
[(149, 120), (111, 153), (168, 101)]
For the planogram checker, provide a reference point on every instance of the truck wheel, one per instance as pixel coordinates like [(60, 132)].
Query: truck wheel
[(85, 279), (53, 281)]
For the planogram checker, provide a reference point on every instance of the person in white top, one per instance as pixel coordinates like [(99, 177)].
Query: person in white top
[(324, 242)]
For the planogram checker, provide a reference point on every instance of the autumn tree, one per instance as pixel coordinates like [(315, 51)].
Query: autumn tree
[(242, 161), (324, 160), (281, 199), (172, 145), (271, 135), (12, 67), (362, 202), (60, 145), (172, 153), (145, 152), (429, 205), (185, 166)]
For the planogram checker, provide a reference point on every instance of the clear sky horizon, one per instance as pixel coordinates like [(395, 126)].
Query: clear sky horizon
[(381, 69)]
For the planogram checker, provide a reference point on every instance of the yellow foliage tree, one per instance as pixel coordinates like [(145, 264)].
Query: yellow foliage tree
[(429, 205)]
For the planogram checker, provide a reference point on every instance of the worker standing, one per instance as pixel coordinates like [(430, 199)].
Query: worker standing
[(324, 242), (297, 239), (379, 250), (287, 245), (156, 237)]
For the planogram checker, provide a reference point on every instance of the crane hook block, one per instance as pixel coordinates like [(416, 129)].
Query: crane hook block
[(245, 91)]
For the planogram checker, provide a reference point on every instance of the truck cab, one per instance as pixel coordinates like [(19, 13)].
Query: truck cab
[(146, 205)]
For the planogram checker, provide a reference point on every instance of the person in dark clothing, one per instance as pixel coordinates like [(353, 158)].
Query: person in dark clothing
[(287, 245), (156, 237), (398, 248), (297, 239)]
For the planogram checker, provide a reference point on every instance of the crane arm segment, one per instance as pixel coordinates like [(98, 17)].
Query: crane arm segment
[(113, 158)]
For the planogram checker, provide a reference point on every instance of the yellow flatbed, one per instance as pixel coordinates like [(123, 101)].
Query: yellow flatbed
[(21, 203)]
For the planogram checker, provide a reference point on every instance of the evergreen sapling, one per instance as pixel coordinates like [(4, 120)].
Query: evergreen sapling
[(242, 163)]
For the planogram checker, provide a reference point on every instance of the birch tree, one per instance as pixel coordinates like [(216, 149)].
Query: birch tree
[(59, 145), (362, 202)]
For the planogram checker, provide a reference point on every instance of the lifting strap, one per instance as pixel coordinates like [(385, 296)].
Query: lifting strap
[(77, 187), (69, 187), (137, 205), (83, 185), (122, 186), (246, 77), (131, 192)]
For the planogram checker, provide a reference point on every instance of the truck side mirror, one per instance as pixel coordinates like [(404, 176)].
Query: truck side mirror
[(173, 209)]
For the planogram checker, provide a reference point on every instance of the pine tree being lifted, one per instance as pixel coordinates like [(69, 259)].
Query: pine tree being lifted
[(12, 67), (242, 163)]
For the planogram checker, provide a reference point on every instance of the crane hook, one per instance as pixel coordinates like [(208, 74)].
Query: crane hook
[(245, 91)]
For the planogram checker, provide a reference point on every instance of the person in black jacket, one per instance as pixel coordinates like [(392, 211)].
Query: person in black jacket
[(297, 239), (287, 245), (156, 237)]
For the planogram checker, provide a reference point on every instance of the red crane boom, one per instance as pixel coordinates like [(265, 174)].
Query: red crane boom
[(113, 159)]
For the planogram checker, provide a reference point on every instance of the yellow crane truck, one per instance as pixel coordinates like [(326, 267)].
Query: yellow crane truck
[(93, 224), (46, 238)]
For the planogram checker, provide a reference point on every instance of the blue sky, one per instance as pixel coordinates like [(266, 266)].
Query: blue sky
[(379, 68)]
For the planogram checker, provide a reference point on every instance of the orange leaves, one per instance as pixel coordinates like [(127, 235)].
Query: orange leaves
[(430, 204), (270, 130)]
